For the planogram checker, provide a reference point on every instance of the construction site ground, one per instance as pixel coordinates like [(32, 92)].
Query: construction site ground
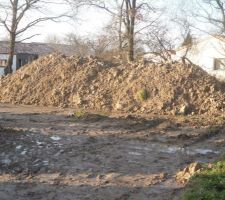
[(49, 154)]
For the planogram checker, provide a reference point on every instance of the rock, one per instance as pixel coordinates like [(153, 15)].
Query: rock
[(184, 175), (77, 99), (185, 109), (24, 76), (115, 73), (118, 106)]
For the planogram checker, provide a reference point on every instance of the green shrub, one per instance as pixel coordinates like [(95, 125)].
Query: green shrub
[(208, 184), (79, 114), (143, 94)]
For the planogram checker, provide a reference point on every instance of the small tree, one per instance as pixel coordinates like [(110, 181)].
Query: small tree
[(132, 17), (188, 40), (80, 46)]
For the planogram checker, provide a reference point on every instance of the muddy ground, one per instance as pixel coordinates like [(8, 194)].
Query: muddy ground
[(45, 154)]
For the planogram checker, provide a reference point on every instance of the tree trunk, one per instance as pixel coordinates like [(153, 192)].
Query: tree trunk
[(120, 28), (12, 38), (131, 31), (11, 54), (131, 47)]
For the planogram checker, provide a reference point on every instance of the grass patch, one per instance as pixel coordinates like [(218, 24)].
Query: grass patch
[(209, 184), (143, 94), (87, 117), (79, 114)]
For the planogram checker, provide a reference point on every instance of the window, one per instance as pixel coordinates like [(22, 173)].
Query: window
[(3, 63), (219, 64)]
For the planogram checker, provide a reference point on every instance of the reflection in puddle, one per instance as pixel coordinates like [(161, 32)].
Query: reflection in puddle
[(172, 150), (55, 138), (201, 151), (188, 151), (135, 153)]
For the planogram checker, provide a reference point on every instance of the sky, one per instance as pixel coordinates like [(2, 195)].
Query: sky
[(86, 24), (89, 23)]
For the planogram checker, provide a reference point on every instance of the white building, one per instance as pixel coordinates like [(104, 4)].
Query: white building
[(208, 53), (27, 52)]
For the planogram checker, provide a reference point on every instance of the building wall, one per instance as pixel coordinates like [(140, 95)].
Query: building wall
[(18, 61), (5, 57), (23, 59), (2, 71), (204, 54)]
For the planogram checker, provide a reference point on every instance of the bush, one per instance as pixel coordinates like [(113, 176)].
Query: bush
[(208, 184), (143, 94), (79, 114)]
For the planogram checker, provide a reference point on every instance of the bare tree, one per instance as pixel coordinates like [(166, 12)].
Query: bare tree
[(80, 46), (207, 16), (53, 39), (13, 13), (131, 18), (212, 11), (158, 43)]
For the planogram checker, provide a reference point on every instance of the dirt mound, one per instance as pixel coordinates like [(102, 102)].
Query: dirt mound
[(89, 83)]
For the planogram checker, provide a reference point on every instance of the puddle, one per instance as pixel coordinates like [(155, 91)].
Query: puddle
[(24, 152), (201, 151), (19, 147), (56, 138), (45, 162), (173, 149), (135, 153), (188, 151), (6, 161), (40, 143), (144, 148)]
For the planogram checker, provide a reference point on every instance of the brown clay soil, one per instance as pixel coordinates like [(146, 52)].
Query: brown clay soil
[(89, 83), (47, 154)]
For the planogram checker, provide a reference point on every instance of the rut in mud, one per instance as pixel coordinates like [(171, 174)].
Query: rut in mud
[(47, 155)]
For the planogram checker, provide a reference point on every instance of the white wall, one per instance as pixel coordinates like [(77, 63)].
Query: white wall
[(204, 53), (5, 57), (14, 63), (1, 71)]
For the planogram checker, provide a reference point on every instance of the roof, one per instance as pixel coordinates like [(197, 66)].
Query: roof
[(36, 48)]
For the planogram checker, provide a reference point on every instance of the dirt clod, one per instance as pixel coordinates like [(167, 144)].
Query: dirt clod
[(184, 175)]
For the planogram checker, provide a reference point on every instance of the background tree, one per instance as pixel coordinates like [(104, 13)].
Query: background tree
[(158, 42), (213, 12), (13, 18), (131, 18)]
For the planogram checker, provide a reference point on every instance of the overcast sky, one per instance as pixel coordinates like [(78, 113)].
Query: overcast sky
[(89, 24), (85, 25)]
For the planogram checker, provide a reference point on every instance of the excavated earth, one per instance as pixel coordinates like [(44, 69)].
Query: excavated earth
[(49, 154), (163, 118), (89, 83)]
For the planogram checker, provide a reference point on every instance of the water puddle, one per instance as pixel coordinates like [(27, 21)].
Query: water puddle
[(19, 147), (135, 154), (23, 152), (201, 151), (6, 161), (172, 150), (56, 138)]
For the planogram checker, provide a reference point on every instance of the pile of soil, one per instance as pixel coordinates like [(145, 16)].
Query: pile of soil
[(89, 83)]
